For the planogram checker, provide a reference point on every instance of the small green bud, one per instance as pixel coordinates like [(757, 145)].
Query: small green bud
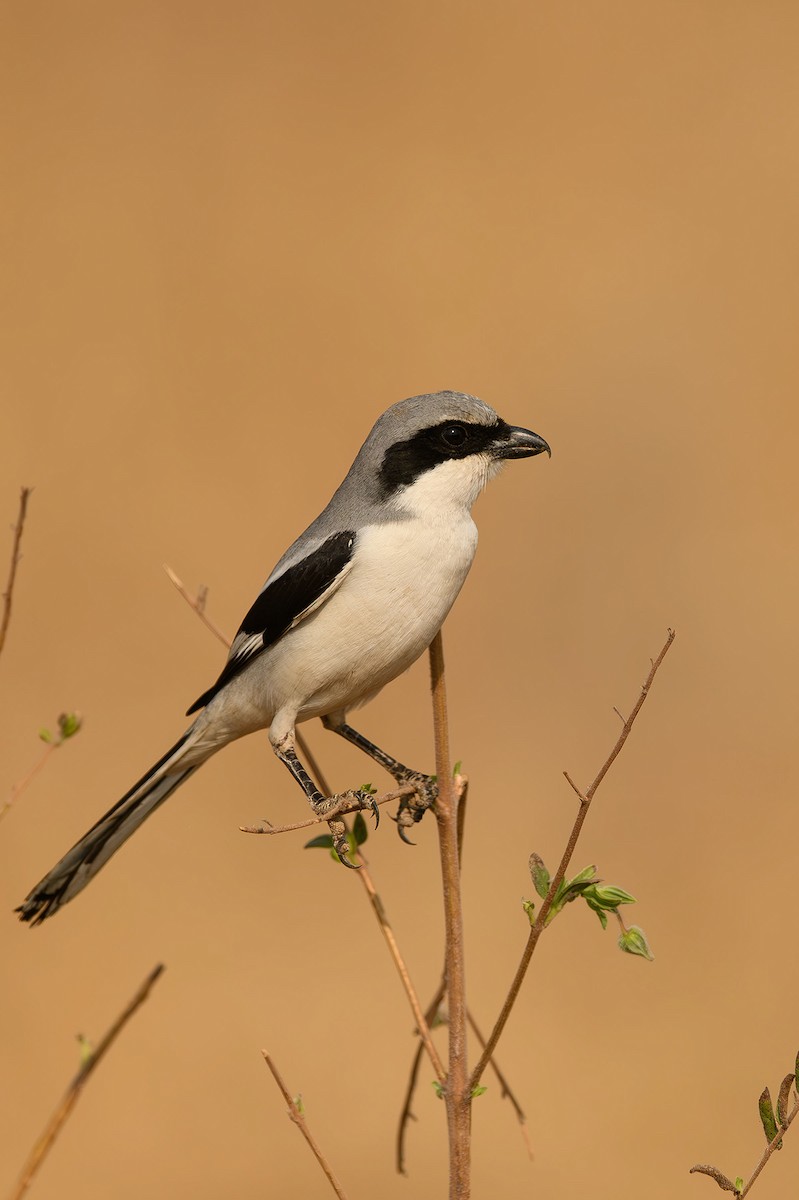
[(478, 1091), (45, 735), (69, 724), (611, 897), (633, 941), (539, 874), (769, 1121), (438, 1088), (456, 770), (298, 1104), (529, 908)]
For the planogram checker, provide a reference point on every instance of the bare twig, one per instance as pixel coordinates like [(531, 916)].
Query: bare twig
[(557, 879), (407, 789), (19, 787), (197, 603), (296, 1115), (402, 969), (8, 594), (506, 1091), (70, 1097), (457, 1092), (407, 1113)]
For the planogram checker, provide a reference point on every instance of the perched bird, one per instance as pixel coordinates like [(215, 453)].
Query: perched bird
[(352, 603)]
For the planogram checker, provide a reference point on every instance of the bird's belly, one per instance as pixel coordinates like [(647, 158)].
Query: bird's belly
[(404, 580)]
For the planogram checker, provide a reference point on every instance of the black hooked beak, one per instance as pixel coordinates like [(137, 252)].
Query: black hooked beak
[(519, 443)]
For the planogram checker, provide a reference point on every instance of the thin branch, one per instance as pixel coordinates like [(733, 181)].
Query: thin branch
[(407, 789), (506, 1093), (457, 1093), (8, 594), (402, 969), (296, 1115), (197, 603), (407, 1113), (557, 879), (19, 787), (70, 1097)]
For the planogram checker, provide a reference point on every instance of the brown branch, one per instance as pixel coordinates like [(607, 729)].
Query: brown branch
[(70, 1097), (407, 789), (457, 1093), (197, 603), (540, 921), (296, 1115), (8, 594), (407, 1114), (19, 787), (402, 969), (505, 1090)]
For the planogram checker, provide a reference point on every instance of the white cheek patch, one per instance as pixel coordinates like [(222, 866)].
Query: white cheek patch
[(454, 484)]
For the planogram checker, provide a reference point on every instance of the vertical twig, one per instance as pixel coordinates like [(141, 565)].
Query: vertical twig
[(457, 1093), (12, 570), (296, 1115), (72, 1094)]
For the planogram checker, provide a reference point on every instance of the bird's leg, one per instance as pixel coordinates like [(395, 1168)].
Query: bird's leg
[(325, 806), (412, 808)]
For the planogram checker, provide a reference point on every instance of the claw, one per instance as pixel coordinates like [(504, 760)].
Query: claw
[(368, 801), (342, 857), (403, 835)]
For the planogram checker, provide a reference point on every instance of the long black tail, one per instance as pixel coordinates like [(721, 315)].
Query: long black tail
[(84, 860)]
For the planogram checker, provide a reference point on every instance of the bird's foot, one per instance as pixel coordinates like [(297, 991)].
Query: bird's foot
[(413, 807), (330, 807)]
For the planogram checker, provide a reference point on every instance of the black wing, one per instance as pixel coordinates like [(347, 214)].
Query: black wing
[(282, 604)]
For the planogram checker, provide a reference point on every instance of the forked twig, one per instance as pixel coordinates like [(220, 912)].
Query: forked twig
[(557, 879), (296, 1115), (70, 1097), (8, 594)]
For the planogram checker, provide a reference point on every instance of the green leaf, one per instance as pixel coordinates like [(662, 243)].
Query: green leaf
[(438, 1088), (45, 735), (782, 1099), (323, 842), (633, 941), (298, 1104), (456, 770), (603, 920), (539, 874), (478, 1091), (586, 876), (360, 830), (739, 1183), (610, 897), (69, 724), (767, 1118)]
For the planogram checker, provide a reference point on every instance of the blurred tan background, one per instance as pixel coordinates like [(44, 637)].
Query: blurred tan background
[(233, 235)]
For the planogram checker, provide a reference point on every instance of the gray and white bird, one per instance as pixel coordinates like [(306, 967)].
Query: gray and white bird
[(351, 605)]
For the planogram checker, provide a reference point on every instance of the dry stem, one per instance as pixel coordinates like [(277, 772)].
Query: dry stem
[(557, 879), (299, 1120), (12, 570), (70, 1097)]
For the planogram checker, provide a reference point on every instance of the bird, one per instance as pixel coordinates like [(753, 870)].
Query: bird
[(354, 601)]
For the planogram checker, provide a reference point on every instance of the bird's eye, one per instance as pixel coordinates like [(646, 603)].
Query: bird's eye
[(453, 436)]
